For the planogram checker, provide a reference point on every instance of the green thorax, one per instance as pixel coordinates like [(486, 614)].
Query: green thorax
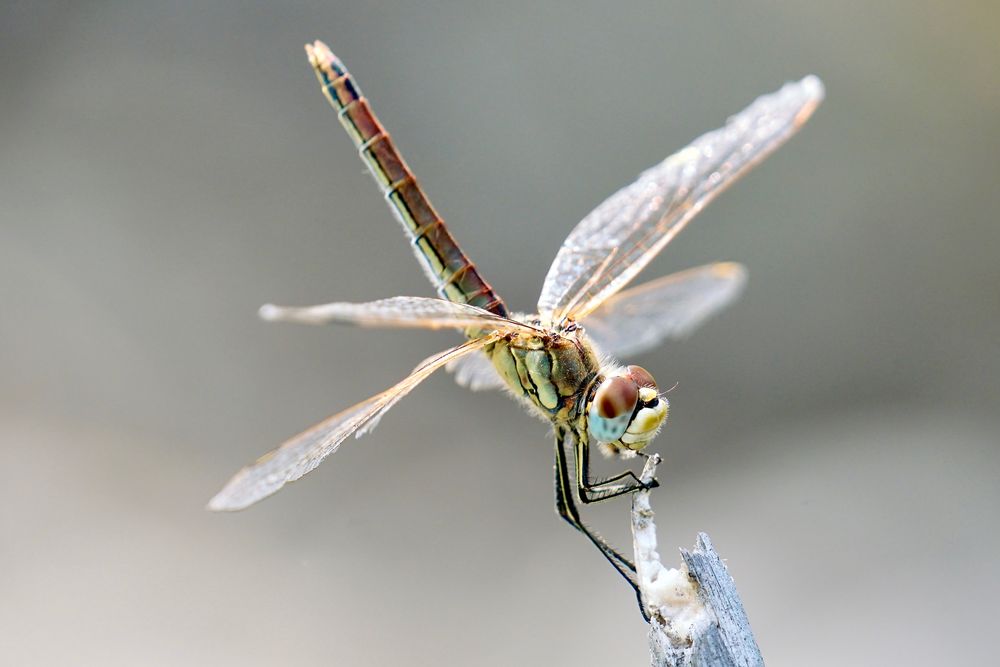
[(552, 373)]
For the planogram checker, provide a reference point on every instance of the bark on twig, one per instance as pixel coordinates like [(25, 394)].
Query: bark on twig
[(696, 616)]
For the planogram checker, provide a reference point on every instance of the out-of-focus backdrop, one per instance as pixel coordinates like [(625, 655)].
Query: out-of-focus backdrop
[(168, 167)]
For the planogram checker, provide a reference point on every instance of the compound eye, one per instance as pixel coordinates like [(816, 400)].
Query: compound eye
[(616, 398), (612, 408), (641, 377)]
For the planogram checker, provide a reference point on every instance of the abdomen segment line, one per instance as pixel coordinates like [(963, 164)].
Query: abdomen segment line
[(454, 276)]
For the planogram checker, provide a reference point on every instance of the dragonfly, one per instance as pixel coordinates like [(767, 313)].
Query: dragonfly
[(560, 361)]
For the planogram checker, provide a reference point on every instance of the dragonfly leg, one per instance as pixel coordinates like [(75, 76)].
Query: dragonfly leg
[(568, 511), (592, 492)]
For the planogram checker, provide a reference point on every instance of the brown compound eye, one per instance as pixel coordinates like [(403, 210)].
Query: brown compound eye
[(641, 376), (616, 397)]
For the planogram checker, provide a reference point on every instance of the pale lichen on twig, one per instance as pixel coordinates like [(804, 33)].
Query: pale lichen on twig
[(695, 614)]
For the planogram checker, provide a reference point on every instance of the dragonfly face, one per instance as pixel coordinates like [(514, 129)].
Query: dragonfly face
[(547, 360), (626, 411)]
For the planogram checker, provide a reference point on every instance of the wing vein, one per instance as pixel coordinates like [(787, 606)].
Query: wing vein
[(302, 453), (635, 223)]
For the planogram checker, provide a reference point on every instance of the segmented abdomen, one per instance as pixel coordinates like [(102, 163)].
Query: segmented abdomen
[(454, 276)]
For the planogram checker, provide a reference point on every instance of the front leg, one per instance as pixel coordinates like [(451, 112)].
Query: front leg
[(592, 492), (568, 511)]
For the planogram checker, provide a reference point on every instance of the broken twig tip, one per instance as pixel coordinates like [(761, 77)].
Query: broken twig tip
[(695, 614)]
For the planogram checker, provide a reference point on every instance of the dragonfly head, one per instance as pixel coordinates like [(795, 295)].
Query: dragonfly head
[(626, 410)]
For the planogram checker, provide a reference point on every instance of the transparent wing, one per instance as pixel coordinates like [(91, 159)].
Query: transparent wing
[(475, 372), (399, 311), (302, 453), (618, 238), (641, 318)]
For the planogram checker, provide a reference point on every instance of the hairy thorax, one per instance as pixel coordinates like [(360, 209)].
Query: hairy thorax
[(553, 373)]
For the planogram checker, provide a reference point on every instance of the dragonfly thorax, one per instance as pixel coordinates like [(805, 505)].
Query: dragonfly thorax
[(553, 372), (625, 409)]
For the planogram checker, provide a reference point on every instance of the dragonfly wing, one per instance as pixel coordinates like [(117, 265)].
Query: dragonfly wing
[(640, 318), (622, 235), (475, 372), (399, 311), (302, 453)]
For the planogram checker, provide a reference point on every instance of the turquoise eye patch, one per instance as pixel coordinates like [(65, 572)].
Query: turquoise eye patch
[(612, 408), (607, 429)]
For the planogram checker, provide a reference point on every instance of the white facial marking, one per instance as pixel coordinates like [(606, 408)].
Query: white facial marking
[(644, 425)]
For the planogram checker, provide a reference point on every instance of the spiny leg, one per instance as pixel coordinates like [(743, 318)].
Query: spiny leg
[(612, 487), (567, 510)]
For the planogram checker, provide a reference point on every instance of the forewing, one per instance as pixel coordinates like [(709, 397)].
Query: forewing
[(399, 311), (641, 318), (304, 452), (622, 235)]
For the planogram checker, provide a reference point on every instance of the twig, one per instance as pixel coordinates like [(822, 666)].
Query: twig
[(696, 616)]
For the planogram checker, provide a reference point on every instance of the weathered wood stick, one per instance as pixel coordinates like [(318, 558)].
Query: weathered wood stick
[(696, 616)]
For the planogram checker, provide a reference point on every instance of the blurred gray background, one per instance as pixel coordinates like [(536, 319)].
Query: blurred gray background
[(168, 167)]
